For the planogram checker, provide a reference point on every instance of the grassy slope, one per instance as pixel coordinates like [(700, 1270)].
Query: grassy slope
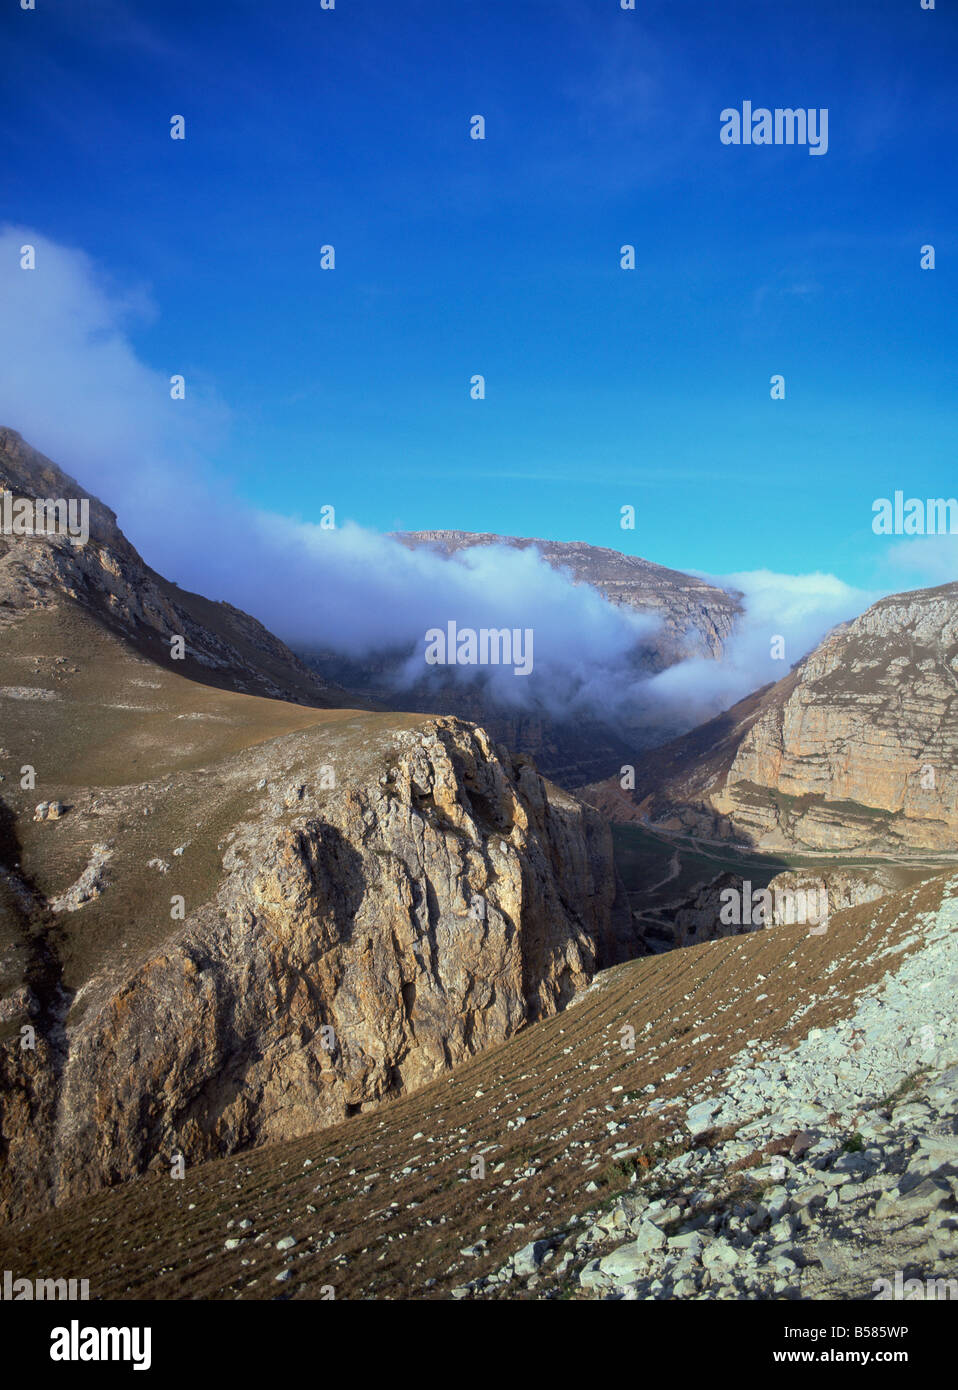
[(372, 1228), (126, 734)]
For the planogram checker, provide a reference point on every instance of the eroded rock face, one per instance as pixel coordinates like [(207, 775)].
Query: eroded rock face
[(834, 888), (857, 748), (863, 749), (353, 951)]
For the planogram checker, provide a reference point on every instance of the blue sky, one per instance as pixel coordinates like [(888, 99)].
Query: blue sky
[(604, 387)]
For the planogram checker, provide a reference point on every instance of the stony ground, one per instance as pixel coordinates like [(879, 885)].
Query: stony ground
[(774, 1185), (857, 1133)]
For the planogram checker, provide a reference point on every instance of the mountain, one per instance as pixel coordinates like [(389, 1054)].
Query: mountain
[(105, 583), (230, 911), (855, 749), (235, 919), (695, 619)]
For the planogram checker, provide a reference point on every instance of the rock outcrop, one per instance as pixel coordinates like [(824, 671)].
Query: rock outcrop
[(356, 946), (227, 919), (857, 748), (731, 904)]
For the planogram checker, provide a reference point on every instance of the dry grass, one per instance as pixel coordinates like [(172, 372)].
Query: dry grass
[(158, 1237)]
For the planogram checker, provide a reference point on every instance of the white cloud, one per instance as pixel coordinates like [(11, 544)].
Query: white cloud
[(928, 560), (73, 384), (799, 608)]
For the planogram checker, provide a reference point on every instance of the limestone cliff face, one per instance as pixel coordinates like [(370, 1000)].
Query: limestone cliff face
[(857, 748), (873, 722), (357, 945)]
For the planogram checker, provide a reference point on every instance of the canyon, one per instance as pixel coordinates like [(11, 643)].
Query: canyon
[(301, 992), (252, 915)]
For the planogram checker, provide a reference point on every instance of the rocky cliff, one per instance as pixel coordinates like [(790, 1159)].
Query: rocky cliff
[(854, 749), (696, 618), (227, 919), (108, 578), (359, 942)]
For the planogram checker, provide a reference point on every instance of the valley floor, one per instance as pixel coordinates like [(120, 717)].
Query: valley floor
[(662, 871)]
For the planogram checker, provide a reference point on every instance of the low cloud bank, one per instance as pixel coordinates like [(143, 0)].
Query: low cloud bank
[(785, 617), (72, 383)]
